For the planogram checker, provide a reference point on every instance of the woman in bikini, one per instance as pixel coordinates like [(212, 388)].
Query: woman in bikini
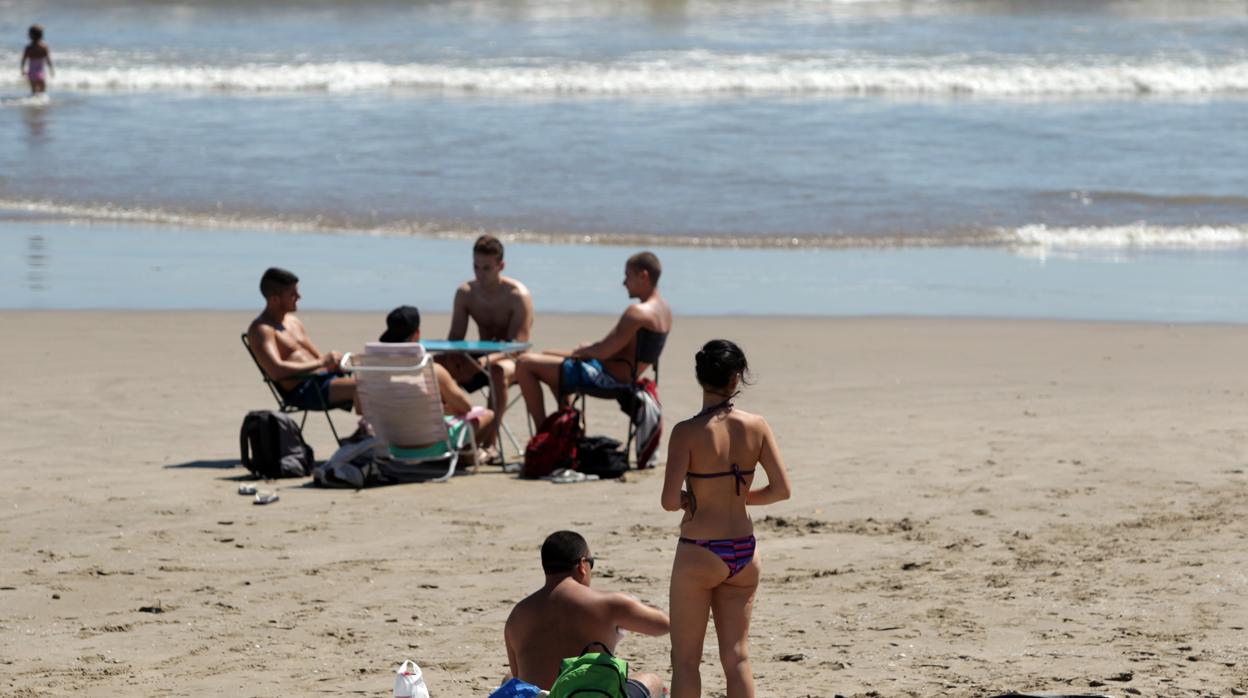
[(711, 461)]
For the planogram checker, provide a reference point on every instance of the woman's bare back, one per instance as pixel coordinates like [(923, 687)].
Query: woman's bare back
[(717, 442)]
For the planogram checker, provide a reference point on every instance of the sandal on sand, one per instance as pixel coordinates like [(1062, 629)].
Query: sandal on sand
[(568, 476), (266, 497)]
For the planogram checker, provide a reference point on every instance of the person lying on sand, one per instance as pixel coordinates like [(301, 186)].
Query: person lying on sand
[(403, 325), (608, 363), (565, 615), (306, 377), (503, 310)]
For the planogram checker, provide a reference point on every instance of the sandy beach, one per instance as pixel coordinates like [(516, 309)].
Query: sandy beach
[(979, 506)]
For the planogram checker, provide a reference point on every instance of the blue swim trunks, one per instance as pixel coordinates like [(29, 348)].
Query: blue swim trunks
[(587, 375), (312, 393)]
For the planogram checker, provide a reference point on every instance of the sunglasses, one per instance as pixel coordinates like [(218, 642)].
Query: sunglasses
[(590, 560)]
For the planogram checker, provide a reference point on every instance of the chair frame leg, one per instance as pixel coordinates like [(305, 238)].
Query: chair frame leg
[(468, 435), (515, 445), (325, 408)]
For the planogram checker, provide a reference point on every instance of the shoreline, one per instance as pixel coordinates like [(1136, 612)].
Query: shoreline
[(440, 315)]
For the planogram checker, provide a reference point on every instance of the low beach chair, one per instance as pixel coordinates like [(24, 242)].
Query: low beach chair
[(287, 408), (649, 348), (398, 392)]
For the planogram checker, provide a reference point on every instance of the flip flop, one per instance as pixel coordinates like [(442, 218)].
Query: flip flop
[(568, 476), (266, 498)]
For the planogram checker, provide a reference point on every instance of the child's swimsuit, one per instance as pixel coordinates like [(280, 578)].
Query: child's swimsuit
[(34, 68), (735, 552)]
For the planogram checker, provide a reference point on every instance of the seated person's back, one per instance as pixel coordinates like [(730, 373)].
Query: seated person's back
[(565, 615), (403, 325)]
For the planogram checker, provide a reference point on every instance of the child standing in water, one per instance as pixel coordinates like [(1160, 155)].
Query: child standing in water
[(37, 61)]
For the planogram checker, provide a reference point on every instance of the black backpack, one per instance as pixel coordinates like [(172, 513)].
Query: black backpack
[(272, 446), (602, 456)]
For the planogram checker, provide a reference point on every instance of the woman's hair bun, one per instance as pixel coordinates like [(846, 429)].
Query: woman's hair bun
[(718, 362)]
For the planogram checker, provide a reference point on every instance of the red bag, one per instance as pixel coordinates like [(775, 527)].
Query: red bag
[(554, 445)]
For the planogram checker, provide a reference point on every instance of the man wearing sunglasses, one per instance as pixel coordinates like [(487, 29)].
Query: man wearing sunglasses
[(565, 615)]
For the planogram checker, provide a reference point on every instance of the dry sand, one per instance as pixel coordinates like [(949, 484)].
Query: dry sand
[(979, 506)]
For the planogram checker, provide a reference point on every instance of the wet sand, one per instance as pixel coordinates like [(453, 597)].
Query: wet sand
[(979, 506)]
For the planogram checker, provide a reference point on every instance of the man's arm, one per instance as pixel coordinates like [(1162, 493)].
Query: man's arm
[(264, 345), (616, 339), (511, 651), (631, 614), (522, 319), (459, 315)]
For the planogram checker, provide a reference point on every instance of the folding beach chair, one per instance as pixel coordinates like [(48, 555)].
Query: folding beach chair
[(398, 392), (649, 348), (287, 408)]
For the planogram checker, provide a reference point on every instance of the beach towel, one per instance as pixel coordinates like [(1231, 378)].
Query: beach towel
[(648, 421)]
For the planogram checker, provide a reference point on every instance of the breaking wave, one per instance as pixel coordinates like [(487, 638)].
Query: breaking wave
[(1135, 236), (683, 73)]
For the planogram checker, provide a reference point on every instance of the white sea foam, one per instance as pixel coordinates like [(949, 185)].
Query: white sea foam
[(39, 100), (1135, 236), (1027, 239), (685, 73)]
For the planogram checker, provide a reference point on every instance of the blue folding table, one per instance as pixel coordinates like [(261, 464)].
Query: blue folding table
[(474, 349)]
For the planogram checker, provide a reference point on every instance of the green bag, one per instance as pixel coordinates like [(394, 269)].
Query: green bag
[(592, 674)]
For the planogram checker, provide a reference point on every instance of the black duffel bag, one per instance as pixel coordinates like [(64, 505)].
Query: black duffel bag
[(602, 456)]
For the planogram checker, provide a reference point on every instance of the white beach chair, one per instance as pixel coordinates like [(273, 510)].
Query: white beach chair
[(398, 392)]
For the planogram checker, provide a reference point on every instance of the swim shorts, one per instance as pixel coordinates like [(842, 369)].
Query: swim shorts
[(478, 381), (312, 393), (455, 427), (637, 689), (586, 375)]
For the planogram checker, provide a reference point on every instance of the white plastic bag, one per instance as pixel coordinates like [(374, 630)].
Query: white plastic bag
[(409, 682)]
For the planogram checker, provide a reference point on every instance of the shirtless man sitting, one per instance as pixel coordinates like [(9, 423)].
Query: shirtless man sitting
[(608, 363), (565, 615), (403, 325), (306, 377), (503, 311)]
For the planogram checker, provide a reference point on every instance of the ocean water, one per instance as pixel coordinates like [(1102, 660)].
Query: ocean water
[(1037, 129)]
